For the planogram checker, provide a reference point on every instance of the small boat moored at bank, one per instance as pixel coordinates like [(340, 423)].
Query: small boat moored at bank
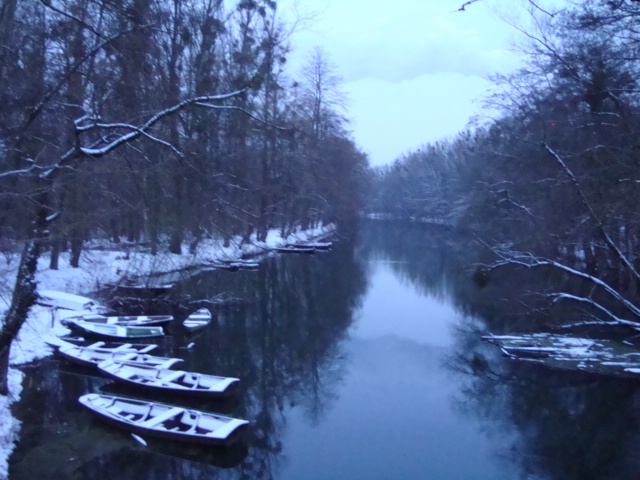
[(115, 331), (295, 249), (174, 381), (68, 301), (92, 356), (126, 321), (567, 352), (198, 319), (165, 421), (103, 347)]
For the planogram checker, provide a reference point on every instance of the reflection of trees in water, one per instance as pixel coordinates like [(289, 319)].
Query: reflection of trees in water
[(418, 254), (293, 325), (564, 426), (282, 339)]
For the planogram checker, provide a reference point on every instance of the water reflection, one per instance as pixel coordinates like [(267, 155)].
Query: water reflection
[(565, 425)]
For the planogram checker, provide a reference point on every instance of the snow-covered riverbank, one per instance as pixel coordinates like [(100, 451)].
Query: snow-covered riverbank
[(99, 267)]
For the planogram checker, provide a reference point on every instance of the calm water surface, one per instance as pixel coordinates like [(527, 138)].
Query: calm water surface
[(358, 363), (393, 415)]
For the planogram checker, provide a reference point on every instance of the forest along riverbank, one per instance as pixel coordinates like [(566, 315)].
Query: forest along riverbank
[(101, 266)]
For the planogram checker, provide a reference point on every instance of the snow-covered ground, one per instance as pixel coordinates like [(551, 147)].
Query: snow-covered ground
[(99, 267)]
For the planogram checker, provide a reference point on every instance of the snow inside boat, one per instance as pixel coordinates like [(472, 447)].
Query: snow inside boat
[(175, 381), (92, 356), (127, 321), (68, 301), (166, 421), (116, 331), (567, 352), (198, 319), (103, 347)]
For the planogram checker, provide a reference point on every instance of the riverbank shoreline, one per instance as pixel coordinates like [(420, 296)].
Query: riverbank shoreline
[(101, 265)]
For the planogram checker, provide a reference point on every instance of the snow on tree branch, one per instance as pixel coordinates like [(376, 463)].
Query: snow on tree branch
[(557, 297), (107, 126), (142, 130), (528, 260)]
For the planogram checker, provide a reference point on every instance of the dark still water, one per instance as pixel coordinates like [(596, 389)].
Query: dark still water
[(364, 362)]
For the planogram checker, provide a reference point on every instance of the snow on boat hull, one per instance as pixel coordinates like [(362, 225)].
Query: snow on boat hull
[(568, 352), (116, 331), (67, 301), (91, 356), (175, 381), (126, 321), (165, 421), (198, 319), (307, 250), (103, 347)]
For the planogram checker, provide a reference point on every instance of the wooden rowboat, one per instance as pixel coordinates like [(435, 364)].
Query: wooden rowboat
[(295, 249), (127, 321), (174, 381), (104, 347), (198, 319), (116, 331), (67, 301), (91, 356), (165, 421)]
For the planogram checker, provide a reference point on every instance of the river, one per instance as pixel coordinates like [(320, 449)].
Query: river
[(363, 362)]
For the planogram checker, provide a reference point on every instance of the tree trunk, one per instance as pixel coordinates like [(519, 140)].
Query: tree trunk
[(24, 296), (55, 253), (76, 250)]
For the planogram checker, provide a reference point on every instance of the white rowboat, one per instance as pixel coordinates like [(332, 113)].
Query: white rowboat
[(165, 421), (127, 321), (68, 301), (111, 347), (175, 381), (198, 319), (116, 331), (92, 356)]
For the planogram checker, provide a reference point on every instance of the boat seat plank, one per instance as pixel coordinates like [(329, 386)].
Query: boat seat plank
[(173, 376), (158, 419)]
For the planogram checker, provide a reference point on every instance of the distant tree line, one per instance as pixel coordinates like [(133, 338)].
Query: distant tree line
[(553, 183)]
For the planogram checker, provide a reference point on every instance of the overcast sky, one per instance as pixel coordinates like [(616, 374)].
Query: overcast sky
[(411, 68)]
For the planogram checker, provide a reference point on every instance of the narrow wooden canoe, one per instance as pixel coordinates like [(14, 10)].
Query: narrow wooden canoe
[(198, 319), (92, 356), (175, 381), (116, 331), (126, 321), (165, 421)]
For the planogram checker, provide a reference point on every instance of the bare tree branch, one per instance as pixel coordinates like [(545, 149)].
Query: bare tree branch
[(47, 3), (529, 260), (465, 4), (583, 198)]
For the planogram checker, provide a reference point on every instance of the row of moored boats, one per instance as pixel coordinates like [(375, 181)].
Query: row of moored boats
[(135, 366)]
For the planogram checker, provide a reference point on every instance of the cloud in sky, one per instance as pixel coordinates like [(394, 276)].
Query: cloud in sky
[(404, 39), (412, 68)]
